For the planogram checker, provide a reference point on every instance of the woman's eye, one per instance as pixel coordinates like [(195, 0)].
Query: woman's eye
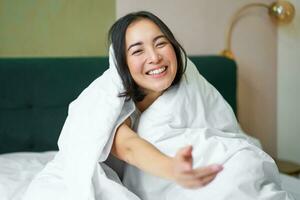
[(136, 52), (161, 44)]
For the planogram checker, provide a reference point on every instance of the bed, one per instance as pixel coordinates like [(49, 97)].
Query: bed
[(34, 98)]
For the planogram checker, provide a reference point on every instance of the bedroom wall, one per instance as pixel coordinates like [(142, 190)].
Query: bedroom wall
[(288, 89), (34, 28), (200, 26)]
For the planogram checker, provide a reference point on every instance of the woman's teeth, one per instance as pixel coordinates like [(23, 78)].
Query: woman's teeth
[(157, 71)]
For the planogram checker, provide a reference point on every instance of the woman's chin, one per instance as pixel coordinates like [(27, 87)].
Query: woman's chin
[(159, 89)]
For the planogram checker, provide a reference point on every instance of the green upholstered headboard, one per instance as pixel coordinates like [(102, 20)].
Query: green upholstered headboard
[(35, 94)]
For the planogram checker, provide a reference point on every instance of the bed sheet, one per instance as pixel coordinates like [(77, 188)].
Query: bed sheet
[(291, 184), (18, 169)]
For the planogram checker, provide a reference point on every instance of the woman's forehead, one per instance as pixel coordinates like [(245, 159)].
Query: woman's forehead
[(141, 30)]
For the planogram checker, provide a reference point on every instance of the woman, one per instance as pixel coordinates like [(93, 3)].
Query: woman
[(153, 110), (149, 62)]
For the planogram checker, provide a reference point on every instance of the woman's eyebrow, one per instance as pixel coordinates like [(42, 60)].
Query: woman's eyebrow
[(134, 44)]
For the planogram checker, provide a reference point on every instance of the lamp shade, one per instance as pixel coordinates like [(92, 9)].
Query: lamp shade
[(282, 12)]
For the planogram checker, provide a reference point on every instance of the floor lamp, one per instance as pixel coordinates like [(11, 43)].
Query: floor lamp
[(280, 12)]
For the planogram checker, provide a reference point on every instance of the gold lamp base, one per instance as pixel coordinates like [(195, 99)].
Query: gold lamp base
[(228, 54)]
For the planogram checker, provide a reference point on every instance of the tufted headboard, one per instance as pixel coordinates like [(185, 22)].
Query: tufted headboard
[(35, 94)]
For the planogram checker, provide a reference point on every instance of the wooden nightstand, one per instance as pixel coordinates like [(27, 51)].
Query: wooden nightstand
[(288, 167)]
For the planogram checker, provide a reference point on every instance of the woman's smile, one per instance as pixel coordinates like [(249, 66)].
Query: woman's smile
[(157, 72)]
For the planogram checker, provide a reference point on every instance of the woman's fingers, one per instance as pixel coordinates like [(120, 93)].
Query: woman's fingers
[(184, 159), (207, 171), (185, 154), (198, 183), (201, 172), (207, 179), (186, 151), (194, 183), (188, 177)]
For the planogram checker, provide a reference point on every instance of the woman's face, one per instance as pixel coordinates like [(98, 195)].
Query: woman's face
[(150, 57)]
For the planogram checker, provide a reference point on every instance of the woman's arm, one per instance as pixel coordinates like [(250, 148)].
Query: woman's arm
[(129, 147)]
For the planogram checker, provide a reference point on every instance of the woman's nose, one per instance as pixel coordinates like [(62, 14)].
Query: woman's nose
[(154, 57)]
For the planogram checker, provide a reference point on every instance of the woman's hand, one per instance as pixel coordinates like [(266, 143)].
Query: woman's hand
[(186, 176)]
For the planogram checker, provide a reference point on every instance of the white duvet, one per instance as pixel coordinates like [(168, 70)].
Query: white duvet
[(193, 112), (18, 169)]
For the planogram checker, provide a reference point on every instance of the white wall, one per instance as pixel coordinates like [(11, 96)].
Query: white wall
[(288, 90), (200, 26)]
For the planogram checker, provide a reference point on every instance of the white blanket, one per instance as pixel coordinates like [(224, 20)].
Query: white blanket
[(192, 112)]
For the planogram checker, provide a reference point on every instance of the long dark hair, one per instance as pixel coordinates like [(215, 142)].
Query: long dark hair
[(116, 37)]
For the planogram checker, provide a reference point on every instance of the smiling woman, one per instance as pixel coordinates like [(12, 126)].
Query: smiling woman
[(151, 59)]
